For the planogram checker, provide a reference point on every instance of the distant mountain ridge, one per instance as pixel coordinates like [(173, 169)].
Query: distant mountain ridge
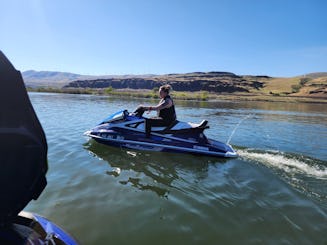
[(42, 74), (308, 85), (50, 78), (56, 79), (316, 74)]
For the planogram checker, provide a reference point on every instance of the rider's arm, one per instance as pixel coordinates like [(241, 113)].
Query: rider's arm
[(162, 105)]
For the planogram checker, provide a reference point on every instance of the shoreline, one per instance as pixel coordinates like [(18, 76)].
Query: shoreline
[(186, 95)]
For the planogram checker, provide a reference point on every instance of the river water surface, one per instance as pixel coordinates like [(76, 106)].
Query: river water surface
[(275, 192)]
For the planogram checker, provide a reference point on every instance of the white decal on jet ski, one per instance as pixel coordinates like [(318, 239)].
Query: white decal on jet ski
[(200, 148)]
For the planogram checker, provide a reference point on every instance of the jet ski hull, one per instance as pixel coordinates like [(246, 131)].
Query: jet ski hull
[(151, 146)]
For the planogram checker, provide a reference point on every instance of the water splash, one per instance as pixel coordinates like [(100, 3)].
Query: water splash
[(236, 127), (291, 164), (305, 174)]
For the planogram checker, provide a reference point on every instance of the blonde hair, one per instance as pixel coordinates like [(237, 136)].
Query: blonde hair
[(166, 88)]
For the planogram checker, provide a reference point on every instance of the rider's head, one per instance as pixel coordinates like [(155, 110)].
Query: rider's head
[(164, 90)]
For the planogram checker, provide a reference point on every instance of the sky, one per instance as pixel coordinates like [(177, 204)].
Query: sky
[(281, 38)]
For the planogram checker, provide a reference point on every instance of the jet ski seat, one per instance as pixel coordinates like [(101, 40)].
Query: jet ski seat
[(178, 126)]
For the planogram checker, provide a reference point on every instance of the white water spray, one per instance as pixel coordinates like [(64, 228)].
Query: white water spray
[(286, 163), (236, 127)]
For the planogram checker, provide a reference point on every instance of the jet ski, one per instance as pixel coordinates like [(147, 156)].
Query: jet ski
[(127, 130), (30, 228)]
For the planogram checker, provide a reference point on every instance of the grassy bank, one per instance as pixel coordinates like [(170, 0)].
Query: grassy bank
[(199, 96), (196, 96)]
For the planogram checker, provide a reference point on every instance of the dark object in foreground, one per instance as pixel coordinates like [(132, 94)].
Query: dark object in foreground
[(23, 146), (23, 163)]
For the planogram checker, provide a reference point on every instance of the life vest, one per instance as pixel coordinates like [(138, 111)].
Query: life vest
[(168, 114)]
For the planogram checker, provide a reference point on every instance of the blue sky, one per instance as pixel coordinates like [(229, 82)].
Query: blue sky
[(104, 37)]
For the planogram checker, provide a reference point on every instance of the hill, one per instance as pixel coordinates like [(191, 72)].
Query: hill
[(312, 85), (48, 78)]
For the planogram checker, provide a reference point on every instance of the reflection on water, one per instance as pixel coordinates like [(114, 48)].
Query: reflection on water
[(154, 171)]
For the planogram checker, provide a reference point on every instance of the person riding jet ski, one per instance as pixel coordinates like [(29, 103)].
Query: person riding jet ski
[(165, 108)]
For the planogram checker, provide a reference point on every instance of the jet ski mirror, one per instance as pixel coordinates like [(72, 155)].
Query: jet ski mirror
[(23, 146)]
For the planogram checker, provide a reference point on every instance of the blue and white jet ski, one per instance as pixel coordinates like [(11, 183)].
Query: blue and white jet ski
[(127, 130)]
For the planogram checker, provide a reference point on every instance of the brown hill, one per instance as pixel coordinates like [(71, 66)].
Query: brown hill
[(312, 85)]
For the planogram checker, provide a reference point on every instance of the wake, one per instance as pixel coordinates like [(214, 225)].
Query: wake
[(305, 174), (289, 163)]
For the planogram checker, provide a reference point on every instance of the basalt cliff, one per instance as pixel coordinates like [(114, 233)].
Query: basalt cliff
[(218, 82)]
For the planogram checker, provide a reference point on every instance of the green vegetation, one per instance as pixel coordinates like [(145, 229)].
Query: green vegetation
[(60, 90), (199, 96), (297, 87)]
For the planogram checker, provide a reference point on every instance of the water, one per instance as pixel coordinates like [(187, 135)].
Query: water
[(274, 193)]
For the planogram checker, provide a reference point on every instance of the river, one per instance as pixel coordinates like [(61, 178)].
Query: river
[(275, 192)]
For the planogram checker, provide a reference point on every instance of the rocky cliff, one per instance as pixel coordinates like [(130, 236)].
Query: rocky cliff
[(219, 82)]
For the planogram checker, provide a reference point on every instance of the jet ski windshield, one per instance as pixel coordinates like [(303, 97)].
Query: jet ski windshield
[(120, 115)]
